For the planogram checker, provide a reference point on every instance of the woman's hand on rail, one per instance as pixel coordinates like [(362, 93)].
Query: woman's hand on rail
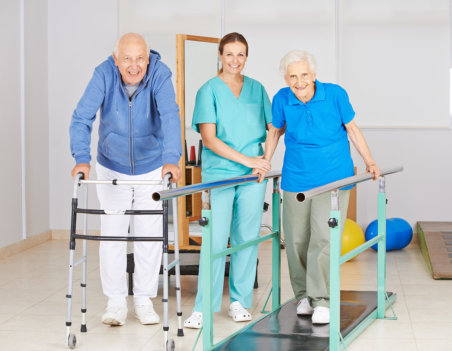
[(258, 162), (373, 169), (81, 168), (261, 173), (173, 169)]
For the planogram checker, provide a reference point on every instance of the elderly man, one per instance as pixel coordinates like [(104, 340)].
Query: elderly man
[(139, 139)]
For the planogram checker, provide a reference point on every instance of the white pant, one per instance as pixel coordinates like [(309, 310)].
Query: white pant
[(113, 254)]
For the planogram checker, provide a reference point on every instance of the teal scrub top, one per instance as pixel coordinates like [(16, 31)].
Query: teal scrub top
[(240, 123)]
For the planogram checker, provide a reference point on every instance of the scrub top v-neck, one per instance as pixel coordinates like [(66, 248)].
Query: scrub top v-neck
[(240, 123)]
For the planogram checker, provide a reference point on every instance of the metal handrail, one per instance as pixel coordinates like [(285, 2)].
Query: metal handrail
[(359, 178), (79, 180), (196, 188)]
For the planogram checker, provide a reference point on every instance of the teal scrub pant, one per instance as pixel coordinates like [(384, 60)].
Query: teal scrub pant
[(307, 237), (236, 211)]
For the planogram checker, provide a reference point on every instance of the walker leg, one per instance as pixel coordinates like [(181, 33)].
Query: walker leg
[(69, 293), (165, 273), (83, 328), (71, 272)]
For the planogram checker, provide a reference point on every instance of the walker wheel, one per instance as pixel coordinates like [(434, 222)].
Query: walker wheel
[(72, 341), (170, 345)]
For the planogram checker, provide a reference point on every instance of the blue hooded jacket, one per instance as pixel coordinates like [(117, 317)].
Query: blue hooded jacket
[(136, 136)]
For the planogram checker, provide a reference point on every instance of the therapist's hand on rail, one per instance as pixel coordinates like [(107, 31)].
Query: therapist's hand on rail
[(259, 163), (173, 169), (261, 173), (81, 168), (373, 169)]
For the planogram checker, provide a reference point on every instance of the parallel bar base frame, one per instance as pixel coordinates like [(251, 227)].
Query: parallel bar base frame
[(284, 330)]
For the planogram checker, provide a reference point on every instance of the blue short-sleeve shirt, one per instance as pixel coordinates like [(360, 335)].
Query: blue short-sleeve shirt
[(240, 123), (317, 146)]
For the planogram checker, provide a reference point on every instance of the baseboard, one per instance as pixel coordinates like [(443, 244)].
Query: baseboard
[(414, 242), (26, 244)]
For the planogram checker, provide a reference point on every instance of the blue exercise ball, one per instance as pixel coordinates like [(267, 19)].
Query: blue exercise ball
[(398, 233)]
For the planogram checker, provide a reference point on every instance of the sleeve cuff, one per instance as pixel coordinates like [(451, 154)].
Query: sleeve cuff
[(171, 159), (83, 159)]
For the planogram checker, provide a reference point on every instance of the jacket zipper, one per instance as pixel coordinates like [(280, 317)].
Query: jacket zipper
[(131, 137)]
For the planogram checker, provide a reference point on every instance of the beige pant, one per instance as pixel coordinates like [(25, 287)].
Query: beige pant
[(307, 236)]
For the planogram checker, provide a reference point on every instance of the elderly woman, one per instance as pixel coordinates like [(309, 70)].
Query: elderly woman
[(318, 120)]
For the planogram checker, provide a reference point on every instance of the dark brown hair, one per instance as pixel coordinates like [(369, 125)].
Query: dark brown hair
[(232, 38)]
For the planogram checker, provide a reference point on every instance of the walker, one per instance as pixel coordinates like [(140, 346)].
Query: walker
[(78, 182)]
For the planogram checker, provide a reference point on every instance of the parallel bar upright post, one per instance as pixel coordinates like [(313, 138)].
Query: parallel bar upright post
[(335, 270), (381, 275), (276, 247), (206, 265)]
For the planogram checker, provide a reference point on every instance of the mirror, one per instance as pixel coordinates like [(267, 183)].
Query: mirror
[(196, 62)]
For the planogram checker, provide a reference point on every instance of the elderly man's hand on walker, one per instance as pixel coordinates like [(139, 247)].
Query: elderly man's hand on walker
[(81, 168), (173, 169)]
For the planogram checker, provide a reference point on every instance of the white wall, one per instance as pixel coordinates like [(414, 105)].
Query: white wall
[(36, 118), (10, 157), (422, 192), (384, 46), (81, 36), (65, 40), (36, 152), (264, 26)]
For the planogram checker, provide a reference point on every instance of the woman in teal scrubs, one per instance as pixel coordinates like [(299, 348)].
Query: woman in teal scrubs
[(232, 113)]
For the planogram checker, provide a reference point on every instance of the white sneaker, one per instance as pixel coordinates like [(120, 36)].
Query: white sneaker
[(238, 313), (194, 321), (304, 308), (146, 314), (115, 315), (321, 315)]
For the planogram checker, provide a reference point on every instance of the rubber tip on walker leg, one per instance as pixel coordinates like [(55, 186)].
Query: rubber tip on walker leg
[(83, 328), (180, 332)]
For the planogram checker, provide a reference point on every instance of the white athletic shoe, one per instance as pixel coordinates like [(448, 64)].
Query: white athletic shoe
[(304, 308), (321, 315), (194, 321), (146, 314), (115, 315), (238, 313)]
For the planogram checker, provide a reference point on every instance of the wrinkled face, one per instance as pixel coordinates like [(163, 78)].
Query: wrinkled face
[(301, 80), (233, 57), (132, 60)]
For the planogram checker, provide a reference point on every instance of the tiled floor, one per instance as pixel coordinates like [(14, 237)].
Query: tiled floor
[(33, 309)]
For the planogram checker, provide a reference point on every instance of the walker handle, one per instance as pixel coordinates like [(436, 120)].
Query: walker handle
[(167, 179)]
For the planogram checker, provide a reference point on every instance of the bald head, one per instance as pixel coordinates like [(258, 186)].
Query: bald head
[(129, 37), (131, 56)]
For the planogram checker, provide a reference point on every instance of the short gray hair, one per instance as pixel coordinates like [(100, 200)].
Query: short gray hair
[(116, 47), (297, 56)]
